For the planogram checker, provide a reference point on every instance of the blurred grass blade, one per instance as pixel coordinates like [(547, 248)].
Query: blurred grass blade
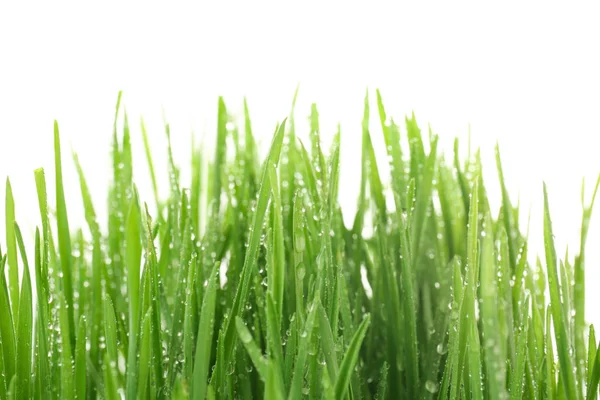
[(259, 361), (595, 378)]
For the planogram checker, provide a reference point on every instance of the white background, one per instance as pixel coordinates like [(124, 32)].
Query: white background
[(527, 76)]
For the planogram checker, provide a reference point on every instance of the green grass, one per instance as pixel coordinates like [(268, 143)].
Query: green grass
[(453, 307)]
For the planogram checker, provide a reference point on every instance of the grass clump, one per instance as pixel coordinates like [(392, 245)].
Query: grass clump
[(265, 293)]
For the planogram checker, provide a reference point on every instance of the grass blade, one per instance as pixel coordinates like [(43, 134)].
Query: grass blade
[(80, 361), (145, 357), (558, 317), (11, 251), (66, 371), (350, 359), (205, 334), (134, 256), (64, 236), (24, 327), (259, 361), (295, 392), (7, 331)]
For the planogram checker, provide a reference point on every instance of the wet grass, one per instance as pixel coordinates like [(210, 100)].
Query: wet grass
[(265, 293)]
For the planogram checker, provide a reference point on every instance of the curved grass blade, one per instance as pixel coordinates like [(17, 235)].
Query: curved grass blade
[(350, 359), (259, 361), (328, 344)]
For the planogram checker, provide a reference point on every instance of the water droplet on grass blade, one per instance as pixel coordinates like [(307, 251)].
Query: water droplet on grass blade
[(431, 386)]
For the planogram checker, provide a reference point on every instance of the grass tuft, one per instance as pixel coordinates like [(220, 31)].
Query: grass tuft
[(263, 292)]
